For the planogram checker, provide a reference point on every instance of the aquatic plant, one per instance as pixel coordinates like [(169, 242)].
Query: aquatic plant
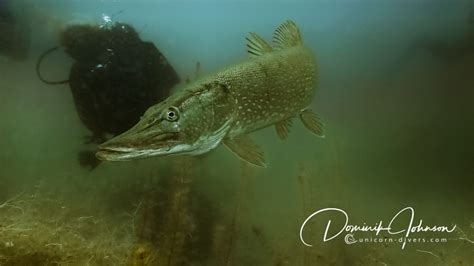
[(143, 254), (173, 221), (163, 222), (36, 229), (226, 236), (305, 188)]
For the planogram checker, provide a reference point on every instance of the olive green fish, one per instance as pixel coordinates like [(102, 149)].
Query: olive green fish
[(276, 84)]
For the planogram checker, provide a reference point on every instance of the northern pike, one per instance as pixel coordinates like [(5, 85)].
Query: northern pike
[(274, 85)]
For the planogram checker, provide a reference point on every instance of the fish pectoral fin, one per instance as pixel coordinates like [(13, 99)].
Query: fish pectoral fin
[(247, 150), (283, 128), (312, 122), (256, 45)]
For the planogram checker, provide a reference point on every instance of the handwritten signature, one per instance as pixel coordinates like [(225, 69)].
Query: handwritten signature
[(377, 227)]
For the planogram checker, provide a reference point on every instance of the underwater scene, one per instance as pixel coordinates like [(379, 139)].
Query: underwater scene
[(237, 132)]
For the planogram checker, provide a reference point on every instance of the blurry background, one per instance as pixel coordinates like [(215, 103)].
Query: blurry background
[(396, 93)]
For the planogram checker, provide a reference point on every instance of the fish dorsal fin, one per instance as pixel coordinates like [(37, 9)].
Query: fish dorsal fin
[(312, 122), (247, 150), (256, 45), (283, 128), (287, 35)]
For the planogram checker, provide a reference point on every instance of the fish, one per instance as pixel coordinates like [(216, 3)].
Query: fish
[(270, 88)]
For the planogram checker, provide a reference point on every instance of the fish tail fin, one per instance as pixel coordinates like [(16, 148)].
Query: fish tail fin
[(287, 35)]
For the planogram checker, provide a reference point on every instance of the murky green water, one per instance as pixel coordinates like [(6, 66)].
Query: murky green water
[(396, 94)]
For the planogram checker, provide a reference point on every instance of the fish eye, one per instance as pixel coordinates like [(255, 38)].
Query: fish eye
[(172, 114)]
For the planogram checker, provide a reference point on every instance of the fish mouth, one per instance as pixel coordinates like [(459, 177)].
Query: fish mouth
[(111, 154), (128, 154), (123, 149)]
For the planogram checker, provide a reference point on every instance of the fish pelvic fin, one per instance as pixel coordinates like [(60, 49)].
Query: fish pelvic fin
[(312, 122), (287, 35), (256, 45), (283, 128), (244, 147)]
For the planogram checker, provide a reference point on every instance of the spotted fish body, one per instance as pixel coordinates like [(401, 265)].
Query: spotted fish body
[(276, 84), (271, 88)]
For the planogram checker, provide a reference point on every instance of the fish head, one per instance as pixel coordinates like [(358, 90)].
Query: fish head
[(192, 121)]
